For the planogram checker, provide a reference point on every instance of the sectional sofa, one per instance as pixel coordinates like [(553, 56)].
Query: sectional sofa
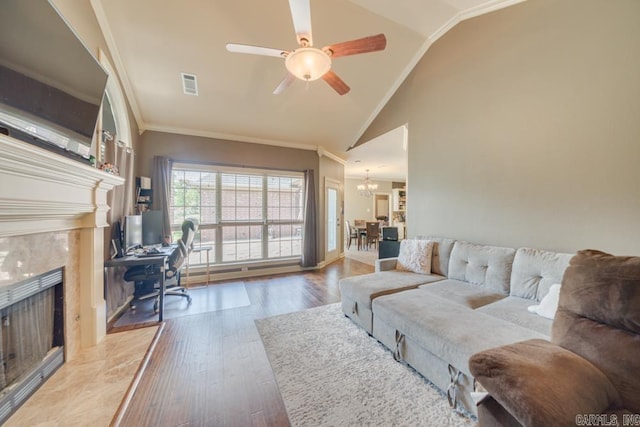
[(475, 298)]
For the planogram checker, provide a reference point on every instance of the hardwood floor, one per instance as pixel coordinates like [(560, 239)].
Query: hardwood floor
[(210, 369)]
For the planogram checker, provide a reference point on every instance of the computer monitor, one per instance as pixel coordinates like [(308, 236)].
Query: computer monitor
[(152, 228), (116, 241), (132, 231)]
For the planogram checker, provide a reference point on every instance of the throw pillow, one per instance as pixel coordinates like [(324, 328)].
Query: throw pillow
[(415, 256), (549, 304)]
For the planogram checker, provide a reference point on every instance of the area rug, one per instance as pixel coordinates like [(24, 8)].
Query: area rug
[(332, 373), (366, 256)]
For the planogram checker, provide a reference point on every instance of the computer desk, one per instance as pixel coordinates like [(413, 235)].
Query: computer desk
[(131, 260)]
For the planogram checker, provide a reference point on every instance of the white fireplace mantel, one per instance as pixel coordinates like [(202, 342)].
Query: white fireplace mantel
[(42, 192)]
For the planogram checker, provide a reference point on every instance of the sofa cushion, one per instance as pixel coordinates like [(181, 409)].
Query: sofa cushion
[(514, 310), (366, 287), (415, 256), (469, 295), (549, 304), (487, 266), (449, 330), (440, 255), (534, 271), (598, 318), (542, 384)]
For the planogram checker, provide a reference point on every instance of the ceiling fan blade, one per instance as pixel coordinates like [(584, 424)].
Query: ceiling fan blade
[(336, 82), (354, 47), (285, 83), (301, 15), (256, 50)]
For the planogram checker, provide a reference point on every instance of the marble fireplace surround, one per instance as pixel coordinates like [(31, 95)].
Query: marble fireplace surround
[(53, 211)]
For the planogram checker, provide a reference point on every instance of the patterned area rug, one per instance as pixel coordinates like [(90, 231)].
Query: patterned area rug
[(332, 373)]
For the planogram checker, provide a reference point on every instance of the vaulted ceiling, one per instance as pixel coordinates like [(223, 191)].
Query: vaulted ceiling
[(153, 42)]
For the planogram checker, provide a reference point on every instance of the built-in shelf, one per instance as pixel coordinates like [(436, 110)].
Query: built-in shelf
[(399, 199), (144, 194)]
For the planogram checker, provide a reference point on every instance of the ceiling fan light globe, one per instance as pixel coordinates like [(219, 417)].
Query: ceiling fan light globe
[(308, 63)]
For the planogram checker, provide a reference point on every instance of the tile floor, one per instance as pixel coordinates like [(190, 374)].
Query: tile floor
[(88, 390)]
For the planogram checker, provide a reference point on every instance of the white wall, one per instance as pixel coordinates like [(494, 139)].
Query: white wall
[(524, 129)]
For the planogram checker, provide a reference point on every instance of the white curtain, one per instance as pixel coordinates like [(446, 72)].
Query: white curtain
[(120, 199)]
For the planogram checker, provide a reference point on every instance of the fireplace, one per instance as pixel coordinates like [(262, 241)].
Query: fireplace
[(31, 337), (53, 213)]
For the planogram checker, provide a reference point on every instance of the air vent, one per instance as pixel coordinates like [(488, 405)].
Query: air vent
[(189, 84)]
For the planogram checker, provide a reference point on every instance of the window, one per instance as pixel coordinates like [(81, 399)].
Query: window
[(244, 215), (115, 119)]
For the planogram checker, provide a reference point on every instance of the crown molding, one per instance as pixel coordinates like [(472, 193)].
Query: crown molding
[(242, 138), (119, 65), (323, 152)]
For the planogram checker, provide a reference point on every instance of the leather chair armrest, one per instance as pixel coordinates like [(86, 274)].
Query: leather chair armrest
[(386, 264), (542, 384)]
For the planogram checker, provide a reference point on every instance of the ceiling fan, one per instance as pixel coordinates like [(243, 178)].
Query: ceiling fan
[(307, 62)]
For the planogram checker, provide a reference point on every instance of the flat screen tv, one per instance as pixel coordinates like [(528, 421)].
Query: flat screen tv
[(51, 86)]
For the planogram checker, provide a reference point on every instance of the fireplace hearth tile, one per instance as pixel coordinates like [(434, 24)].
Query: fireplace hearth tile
[(89, 389)]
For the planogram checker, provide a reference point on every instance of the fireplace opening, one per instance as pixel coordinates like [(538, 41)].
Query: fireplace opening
[(31, 337)]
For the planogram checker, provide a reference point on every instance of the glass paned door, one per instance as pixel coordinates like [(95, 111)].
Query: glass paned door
[(332, 223)]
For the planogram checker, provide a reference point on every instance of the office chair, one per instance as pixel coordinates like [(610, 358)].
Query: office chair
[(189, 229), (147, 277)]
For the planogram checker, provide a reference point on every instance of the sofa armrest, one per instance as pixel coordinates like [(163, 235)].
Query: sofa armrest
[(542, 384), (386, 264)]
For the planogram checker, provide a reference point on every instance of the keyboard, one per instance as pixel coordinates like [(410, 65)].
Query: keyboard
[(154, 251)]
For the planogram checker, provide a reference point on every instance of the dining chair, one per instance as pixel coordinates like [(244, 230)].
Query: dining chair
[(352, 234), (373, 233), (361, 227)]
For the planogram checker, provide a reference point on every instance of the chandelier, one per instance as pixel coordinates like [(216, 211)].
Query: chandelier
[(367, 187)]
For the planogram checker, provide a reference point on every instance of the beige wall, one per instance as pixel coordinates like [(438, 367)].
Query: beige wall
[(524, 128), (184, 148), (360, 207)]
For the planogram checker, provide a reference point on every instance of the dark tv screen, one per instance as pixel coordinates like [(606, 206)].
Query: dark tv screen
[(152, 227), (51, 86)]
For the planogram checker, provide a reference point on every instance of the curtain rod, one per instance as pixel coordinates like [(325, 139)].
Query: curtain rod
[(195, 162)]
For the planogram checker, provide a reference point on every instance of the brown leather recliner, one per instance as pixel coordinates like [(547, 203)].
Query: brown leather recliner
[(590, 371)]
